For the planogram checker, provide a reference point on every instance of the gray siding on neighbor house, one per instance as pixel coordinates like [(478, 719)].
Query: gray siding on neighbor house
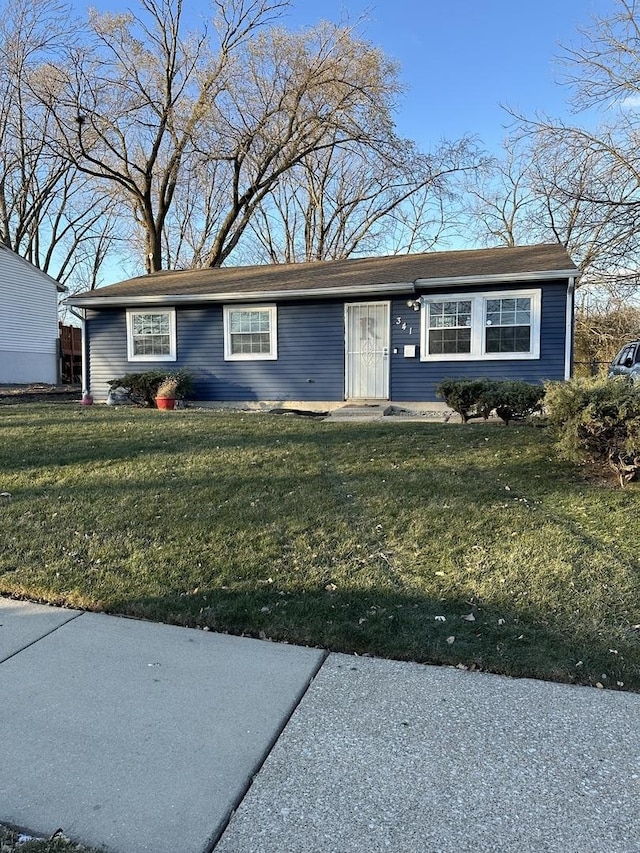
[(310, 364), (29, 304), (311, 361), (412, 379)]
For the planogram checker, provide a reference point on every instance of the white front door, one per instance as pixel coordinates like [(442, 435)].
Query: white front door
[(367, 351)]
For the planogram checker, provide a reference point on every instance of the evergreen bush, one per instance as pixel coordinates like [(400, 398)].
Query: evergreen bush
[(468, 397), (516, 400), (598, 419), (510, 398), (143, 387)]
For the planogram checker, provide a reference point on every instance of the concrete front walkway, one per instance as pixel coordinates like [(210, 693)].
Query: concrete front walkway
[(144, 737)]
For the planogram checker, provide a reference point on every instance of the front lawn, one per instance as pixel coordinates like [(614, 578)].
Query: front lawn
[(441, 543)]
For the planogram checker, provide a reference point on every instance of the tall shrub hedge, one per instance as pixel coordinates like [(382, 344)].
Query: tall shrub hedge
[(598, 420)]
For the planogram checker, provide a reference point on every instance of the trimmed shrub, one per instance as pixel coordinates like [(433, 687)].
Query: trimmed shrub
[(516, 400), (511, 398), (598, 419), (143, 387), (468, 397)]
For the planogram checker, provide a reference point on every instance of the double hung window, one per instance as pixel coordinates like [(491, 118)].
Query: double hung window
[(151, 335), (250, 332), (508, 325), (449, 326)]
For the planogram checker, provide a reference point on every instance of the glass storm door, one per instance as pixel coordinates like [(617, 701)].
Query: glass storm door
[(367, 351)]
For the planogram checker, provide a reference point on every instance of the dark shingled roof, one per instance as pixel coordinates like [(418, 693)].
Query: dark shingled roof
[(352, 274)]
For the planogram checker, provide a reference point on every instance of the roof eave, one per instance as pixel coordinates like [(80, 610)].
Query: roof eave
[(504, 278), (403, 287), (60, 288)]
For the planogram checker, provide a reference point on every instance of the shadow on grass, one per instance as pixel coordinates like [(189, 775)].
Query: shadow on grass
[(451, 632)]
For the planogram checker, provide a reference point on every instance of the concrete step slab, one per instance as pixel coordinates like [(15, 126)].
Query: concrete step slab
[(366, 411), (140, 737)]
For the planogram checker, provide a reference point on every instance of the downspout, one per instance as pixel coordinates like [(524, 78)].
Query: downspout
[(568, 346), (82, 318)]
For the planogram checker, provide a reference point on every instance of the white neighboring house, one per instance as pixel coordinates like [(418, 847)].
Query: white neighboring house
[(29, 312)]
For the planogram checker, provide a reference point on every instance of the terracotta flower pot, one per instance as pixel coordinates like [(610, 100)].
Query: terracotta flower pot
[(166, 402)]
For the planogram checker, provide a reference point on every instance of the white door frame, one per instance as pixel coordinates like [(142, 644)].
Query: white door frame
[(366, 371)]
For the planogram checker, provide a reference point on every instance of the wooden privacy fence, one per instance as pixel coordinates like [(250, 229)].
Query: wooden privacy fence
[(70, 348)]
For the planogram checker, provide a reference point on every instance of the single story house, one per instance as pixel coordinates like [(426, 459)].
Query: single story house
[(29, 309), (317, 334)]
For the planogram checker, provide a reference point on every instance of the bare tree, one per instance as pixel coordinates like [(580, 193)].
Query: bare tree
[(292, 102), (299, 97), (185, 140), (551, 187), (583, 203), (585, 178), (603, 68), (48, 213), (350, 199), (192, 136), (133, 103), (500, 199)]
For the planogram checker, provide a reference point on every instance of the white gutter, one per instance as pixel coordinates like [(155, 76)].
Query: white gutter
[(243, 296), (505, 278), (82, 318), (568, 344)]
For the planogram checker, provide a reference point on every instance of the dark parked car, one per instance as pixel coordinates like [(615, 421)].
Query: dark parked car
[(627, 362)]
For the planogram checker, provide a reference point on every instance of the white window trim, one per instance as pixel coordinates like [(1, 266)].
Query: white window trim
[(172, 355), (272, 355), (478, 312)]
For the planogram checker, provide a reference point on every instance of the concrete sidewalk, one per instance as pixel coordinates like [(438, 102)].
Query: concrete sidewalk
[(144, 737)]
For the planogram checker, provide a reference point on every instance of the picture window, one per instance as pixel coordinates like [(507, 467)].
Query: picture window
[(487, 326)]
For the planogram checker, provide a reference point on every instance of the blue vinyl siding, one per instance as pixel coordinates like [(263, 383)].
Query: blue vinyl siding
[(415, 380), (311, 362)]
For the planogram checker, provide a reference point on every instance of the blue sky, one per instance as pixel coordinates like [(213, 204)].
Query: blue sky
[(461, 59)]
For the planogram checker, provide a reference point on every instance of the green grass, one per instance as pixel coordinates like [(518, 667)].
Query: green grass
[(376, 538)]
